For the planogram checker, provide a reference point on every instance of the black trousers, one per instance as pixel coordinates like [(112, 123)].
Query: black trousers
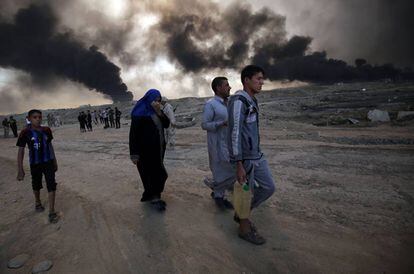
[(14, 129), (153, 177)]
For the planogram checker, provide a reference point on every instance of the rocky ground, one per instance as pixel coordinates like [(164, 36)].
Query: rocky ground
[(344, 200)]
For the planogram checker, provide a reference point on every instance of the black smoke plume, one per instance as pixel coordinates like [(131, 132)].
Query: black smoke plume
[(32, 44), (199, 41), (291, 61), (209, 38)]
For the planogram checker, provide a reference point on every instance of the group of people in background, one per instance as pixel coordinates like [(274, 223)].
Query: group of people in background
[(53, 120), (85, 121), (11, 123), (108, 117), (8, 124)]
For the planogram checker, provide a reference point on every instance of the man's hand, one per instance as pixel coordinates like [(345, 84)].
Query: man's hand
[(241, 173), (20, 175)]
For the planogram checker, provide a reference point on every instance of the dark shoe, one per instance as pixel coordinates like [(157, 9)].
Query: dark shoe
[(163, 202), (223, 204), (159, 205), (228, 204), (39, 208), (53, 218), (252, 237)]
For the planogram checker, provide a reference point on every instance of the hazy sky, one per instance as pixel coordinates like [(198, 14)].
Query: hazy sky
[(128, 33)]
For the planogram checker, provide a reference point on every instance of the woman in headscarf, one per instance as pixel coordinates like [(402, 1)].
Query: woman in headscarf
[(147, 146)]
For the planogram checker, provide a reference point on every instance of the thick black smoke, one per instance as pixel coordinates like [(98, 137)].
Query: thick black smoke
[(209, 38), (291, 61), (200, 41), (32, 44)]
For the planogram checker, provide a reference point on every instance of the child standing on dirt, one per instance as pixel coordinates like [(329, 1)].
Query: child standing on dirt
[(42, 160)]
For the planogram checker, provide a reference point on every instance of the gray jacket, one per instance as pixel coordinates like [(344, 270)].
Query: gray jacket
[(243, 135)]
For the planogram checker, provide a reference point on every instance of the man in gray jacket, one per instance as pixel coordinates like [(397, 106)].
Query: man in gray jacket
[(215, 123), (244, 147)]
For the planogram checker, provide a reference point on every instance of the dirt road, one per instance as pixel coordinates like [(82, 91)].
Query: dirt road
[(339, 207)]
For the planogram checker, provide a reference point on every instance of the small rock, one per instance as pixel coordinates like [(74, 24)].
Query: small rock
[(42, 266), (377, 115), (353, 121), (18, 261), (405, 115)]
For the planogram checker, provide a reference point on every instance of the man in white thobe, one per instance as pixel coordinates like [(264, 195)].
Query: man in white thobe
[(215, 123), (170, 131)]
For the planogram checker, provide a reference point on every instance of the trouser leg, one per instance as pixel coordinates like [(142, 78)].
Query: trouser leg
[(261, 174)]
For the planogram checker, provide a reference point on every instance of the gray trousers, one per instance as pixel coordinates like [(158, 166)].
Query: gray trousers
[(260, 180)]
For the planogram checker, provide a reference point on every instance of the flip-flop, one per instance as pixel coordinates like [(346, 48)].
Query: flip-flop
[(252, 237)]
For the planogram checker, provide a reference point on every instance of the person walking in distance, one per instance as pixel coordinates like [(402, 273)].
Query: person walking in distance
[(89, 120), (111, 115), (6, 126), (117, 118), (13, 126), (81, 122), (105, 117), (95, 117)]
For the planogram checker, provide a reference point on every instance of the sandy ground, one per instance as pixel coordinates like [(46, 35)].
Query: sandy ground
[(339, 207)]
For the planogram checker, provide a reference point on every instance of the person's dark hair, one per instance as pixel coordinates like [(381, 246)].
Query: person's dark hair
[(217, 82), (33, 111), (249, 71)]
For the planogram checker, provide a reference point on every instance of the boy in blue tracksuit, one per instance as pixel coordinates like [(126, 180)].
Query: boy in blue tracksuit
[(244, 146)]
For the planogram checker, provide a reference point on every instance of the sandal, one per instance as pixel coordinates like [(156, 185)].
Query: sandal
[(53, 218), (252, 237), (252, 226), (39, 208)]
